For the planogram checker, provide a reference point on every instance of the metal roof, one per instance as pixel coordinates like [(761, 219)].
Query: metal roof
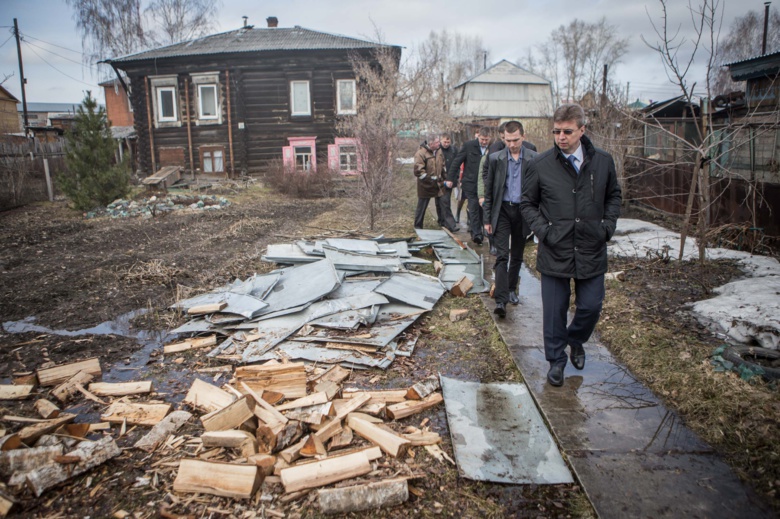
[(248, 39), (505, 72)]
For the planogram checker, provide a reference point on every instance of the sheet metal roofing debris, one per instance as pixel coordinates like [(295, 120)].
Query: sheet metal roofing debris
[(149, 207), (342, 301), (498, 434), (458, 261)]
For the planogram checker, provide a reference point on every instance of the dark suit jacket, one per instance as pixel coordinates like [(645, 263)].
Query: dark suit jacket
[(470, 154), (495, 182)]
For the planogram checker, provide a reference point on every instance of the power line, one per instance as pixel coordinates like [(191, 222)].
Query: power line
[(52, 44), (58, 70), (59, 55), (6, 41)]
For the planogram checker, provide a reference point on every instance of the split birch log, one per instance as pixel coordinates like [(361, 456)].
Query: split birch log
[(190, 344), (390, 443), (265, 462), (422, 438), (331, 389), (293, 452), (231, 416), (336, 374), (59, 374), (375, 409), (345, 406), (70, 387), (423, 388), (207, 397), (219, 479), (266, 436), (240, 440), (15, 392), (31, 433), (210, 308), (121, 388), (314, 414), (6, 503), (25, 460), (324, 472), (410, 407), (367, 417), (342, 439), (9, 442), (384, 396), (162, 430), (76, 430), (289, 379), (136, 414), (271, 414), (369, 496), (91, 455), (329, 429), (313, 446), (291, 432), (313, 399), (46, 409)]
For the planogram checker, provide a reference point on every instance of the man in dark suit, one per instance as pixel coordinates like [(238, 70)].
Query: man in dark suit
[(470, 155), (448, 152), (503, 191)]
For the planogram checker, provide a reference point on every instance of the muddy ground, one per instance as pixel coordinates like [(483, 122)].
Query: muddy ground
[(60, 272)]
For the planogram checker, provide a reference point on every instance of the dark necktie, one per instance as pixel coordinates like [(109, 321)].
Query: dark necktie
[(573, 161)]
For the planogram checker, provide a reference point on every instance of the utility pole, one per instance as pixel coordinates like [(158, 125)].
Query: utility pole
[(21, 73), (604, 87)]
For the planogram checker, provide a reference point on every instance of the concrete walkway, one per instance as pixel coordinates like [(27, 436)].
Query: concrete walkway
[(632, 456)]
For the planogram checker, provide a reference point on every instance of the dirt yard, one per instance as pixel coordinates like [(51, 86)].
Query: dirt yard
[(62, 273)]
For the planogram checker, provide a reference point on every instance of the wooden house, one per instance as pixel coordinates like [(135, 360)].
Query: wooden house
[(9, 120), (228, 103)]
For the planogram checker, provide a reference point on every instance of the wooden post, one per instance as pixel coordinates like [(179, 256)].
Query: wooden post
[(189, 125), (49, 186), (230, 125), (151, 127)]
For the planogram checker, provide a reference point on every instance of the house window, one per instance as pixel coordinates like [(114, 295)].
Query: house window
[(303, 156), (212, 159), (299, 98), (346, 95), (300, 154), (166, 104), (347, 158), (207, 105)]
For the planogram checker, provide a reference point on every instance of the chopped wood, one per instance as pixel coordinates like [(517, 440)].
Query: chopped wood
[(6, 503), (368, 496), (324, 472), (315, 414), (74, 430), (91, 453), (231, 416), (46, 409), (120, 388), (313, 399), (462, 287), (227, 368), (331, 389), (293, 496), (240, 440), (366, 417), (22, 419), (458, 314), (9, 442), (421, 438), (68, 388), (272, 415), (207, 309), (279, 466), (15, 392), (31, 433), (24, 378), (162, 430), (289, 379), (189, 344), (291, 432), (384, 396), (293, 452), (329, 429), (265, 462), (620, 276), (423, 388), (336, 374), (410, 407), (24, 460), (87, 394), (391, 443), (272, 397), (219, 479), (345, 406), (266, 436), (207, 396), (372, 452), (102, 426), (313, 447), (436, 452), (137, 414), (437, 266), (59, 374), (375, 409), (342, 439)]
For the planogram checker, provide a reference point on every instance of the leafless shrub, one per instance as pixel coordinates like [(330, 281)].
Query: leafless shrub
[(15, 171), (151, 272), (300, 183)]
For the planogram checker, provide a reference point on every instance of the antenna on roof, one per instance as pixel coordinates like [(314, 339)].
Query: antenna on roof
[(246, 18)]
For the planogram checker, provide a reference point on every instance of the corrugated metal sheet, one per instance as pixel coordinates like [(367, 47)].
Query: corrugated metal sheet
[(413, 288)]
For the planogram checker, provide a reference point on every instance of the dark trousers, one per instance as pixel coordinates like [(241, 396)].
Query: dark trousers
[(444, 209), (510, 231), (475, 215), (419, 213), (589, 296)]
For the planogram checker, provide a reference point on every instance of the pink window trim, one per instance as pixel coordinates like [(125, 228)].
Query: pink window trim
[(288, 152), (333, 154)]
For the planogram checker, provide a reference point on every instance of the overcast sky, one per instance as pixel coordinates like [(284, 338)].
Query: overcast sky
[(52, 43)]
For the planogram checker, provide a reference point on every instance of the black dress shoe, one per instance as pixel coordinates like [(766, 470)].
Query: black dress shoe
[(455, 229), (478, 241), (513, 298), (555, 375), (577, 356), (500, 310)]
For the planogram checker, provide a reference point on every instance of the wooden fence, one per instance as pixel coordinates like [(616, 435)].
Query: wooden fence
[(23, 170)]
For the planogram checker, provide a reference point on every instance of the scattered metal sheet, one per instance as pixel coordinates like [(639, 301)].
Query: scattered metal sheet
[(362, 246), (397, 248), (406, 346), (498, 434), (302, 284), (353, 287), (312, 248), (314, 353), (241, 304), (287, 253), (352, 261), (193, 326), (435, 236), (413, 288), (456, 255), (451, 274), (256, 286), (348, 319), (225, 318)]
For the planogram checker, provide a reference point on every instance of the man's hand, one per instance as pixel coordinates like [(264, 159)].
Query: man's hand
[(488, 228), (448, 184)]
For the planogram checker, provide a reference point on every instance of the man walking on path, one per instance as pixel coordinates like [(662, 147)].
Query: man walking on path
[(448, 152), (470, 155), (428, 166), (571, 200), (503, 185)]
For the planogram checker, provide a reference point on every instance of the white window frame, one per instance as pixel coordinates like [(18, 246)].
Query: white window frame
[(201, 115), (339, 109), (308, 98), (160, 117)]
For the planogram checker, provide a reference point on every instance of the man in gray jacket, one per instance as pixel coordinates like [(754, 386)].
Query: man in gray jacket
[(571, 200)]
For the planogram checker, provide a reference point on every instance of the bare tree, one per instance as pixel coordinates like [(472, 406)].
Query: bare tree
[(574, 55), (743, 41), (181, 20)]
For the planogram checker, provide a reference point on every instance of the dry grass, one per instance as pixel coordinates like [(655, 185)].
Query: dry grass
[(154, 271)]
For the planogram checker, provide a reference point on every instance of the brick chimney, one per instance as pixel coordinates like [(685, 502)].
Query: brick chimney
[(272, 21)]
